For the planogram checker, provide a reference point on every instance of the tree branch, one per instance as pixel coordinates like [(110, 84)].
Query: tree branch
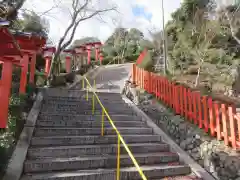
[(47, 11), (75, 15), (231, 27), (80, 13), (77, 23)]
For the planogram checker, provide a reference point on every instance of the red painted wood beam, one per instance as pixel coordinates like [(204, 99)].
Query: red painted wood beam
[(24, 71), (32, 68), (48, 54), (47, 65), (5, 90), (68, 64)]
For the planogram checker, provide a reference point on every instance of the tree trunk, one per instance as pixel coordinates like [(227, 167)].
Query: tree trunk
[(53, 67), (198, 75)]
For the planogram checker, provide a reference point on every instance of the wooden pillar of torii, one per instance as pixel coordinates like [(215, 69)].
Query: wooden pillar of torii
[(30, 44), (68, 59), (89, 47), (48, 53), (101, 58), (10, 54), (81, 53)]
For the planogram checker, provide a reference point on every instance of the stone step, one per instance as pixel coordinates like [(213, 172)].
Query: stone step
[(85, 140), (78, 111), (65, 95), (103, 161), (89, 131), (114, 117), (88, 124), (84, 97), (84, 100), (81, 112), (184, 177), (76, 93), (103, 98), (127, 173), (73, 151), (83, 105)]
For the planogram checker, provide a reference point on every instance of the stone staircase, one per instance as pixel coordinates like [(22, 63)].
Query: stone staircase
[(67, 143)]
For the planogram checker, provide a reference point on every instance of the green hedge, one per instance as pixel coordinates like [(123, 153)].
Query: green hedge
[(40, 79), (110, 60), (132, 58), (10, 135), (107, 60)]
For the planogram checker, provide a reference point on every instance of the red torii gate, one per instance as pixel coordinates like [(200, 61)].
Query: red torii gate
[(30, 44), (97, 46), (89, 46), (10, 54), (68, 59), (100, 57), (80, 50), (48, 54)]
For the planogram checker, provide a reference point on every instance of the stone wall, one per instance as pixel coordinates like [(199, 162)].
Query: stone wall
[(222, 162)]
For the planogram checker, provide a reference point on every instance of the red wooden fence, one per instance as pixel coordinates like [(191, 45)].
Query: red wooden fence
[(217, 119), (141, 56)]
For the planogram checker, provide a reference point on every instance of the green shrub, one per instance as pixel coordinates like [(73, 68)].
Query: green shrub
[(41, 80), (106, 60), (70, 77), (58, 81), (63, 70), (10, 135), (132, 58)]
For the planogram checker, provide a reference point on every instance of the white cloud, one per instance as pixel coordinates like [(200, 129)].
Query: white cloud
[(59, 18)]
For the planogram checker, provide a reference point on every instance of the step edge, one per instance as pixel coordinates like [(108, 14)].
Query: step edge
[(96, 157), (106, 171), (98, 146)]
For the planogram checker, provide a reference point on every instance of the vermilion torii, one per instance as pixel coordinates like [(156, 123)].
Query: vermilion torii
[(10, 54), (69, 54), (81, 52), (30, 44), (89, 47), (48, 53)]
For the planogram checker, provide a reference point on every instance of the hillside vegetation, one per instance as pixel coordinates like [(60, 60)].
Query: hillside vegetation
[(203, 45)]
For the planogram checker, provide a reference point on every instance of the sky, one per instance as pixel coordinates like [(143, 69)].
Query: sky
[(139, 14)]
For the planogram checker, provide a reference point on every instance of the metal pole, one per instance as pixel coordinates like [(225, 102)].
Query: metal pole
[(164, 40)]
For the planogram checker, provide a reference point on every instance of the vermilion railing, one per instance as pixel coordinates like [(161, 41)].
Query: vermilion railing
[(218, 119), (141, 56)]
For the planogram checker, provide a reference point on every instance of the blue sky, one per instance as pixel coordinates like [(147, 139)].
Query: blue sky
[(141, 14), (139, 11)]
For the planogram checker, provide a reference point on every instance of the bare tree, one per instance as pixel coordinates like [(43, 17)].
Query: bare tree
[(229, 16), (81, 10), (204, 33), (232, 15), (157, 39), (121, 39)]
